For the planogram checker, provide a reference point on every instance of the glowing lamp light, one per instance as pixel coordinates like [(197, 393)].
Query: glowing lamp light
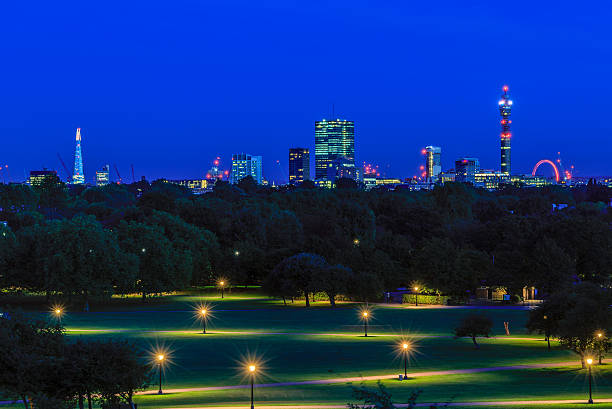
[(160, 358), (203, 311), (58, 311), (365, 314), (599, 335), (405, 346), (222, 283), (252, 368), (589, 361)]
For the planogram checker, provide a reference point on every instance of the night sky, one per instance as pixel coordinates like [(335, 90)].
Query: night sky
[(167, 86)]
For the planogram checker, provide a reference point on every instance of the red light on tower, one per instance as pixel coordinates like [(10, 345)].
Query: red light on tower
[(422, 167), (423, 152), (505, 88)]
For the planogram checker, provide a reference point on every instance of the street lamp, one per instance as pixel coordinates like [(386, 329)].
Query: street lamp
[(600, 346), (58, 312), (416, 296), (252, 369), (236, 253), (160, 361), (365, 323), (203, 312), (356, 242), (405, 351), (222, 286), (590, 363)]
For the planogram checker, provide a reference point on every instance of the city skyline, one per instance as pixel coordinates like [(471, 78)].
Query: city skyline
[(135, 92)]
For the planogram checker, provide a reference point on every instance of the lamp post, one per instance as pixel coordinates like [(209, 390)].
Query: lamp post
[(222, 285), (405, 347), (416, 296), (590, 363), (365, 323), (160, 360), (252, 369), (600, 346), (58, 314), (203, 314)]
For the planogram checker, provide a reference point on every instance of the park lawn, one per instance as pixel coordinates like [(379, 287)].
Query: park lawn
[(266, 315), (531, 384), (304, 348)]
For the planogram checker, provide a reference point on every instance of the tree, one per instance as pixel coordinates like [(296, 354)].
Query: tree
[(474, 325), (332, 280), (159, 268), (379, 398), (123, 370), (295, 275), (29, 358), (545, 318), (587, 313), (365, 286)]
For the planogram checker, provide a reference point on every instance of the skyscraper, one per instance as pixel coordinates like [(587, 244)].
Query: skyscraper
[(466, 169), (299, 165), (433, 165), (244, 165), (333, 139), (103, 176), (78, 177), (505, 106)]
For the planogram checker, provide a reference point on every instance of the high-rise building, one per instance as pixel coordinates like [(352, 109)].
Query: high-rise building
[(103, 176), (37, 177), (333, 139), (244, 165), (466, 169), (433, 165), (78, 177), (299, 165), (505, 106), (341, 167)]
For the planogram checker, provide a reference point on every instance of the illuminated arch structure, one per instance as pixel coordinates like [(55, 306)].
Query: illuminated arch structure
[(551, 163)]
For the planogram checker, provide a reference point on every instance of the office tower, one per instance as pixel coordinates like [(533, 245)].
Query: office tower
[(341, 167), (505, 106), (37, 177), (78, 177), (299, 165), (433, 165), (333, 139), (466, 169), (103, 176), (244, 165)]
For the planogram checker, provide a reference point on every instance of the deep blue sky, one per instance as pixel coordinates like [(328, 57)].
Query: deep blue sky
[(169, 85)]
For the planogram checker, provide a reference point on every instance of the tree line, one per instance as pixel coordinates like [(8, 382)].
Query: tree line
[(43, 370), (146, 238)]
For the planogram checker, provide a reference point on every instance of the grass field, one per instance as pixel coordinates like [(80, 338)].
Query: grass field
[(294, 344)]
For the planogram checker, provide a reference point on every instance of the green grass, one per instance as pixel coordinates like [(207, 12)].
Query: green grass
[(217, 359)]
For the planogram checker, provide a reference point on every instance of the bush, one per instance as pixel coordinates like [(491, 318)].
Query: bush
[(425, 299)]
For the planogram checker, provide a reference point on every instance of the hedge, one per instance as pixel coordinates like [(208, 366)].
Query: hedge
[(426, 299)]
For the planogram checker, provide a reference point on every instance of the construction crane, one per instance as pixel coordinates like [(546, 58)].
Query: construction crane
[(118, 175), (64, 166), (133, 178)]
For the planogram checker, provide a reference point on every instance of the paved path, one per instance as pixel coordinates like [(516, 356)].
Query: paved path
[(336, 334), (372, 378), (456, 404)]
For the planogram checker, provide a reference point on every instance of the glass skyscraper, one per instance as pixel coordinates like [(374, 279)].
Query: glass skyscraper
[(334, 139), (78, 177), (244, 165), (433, 164), (299, 165)]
